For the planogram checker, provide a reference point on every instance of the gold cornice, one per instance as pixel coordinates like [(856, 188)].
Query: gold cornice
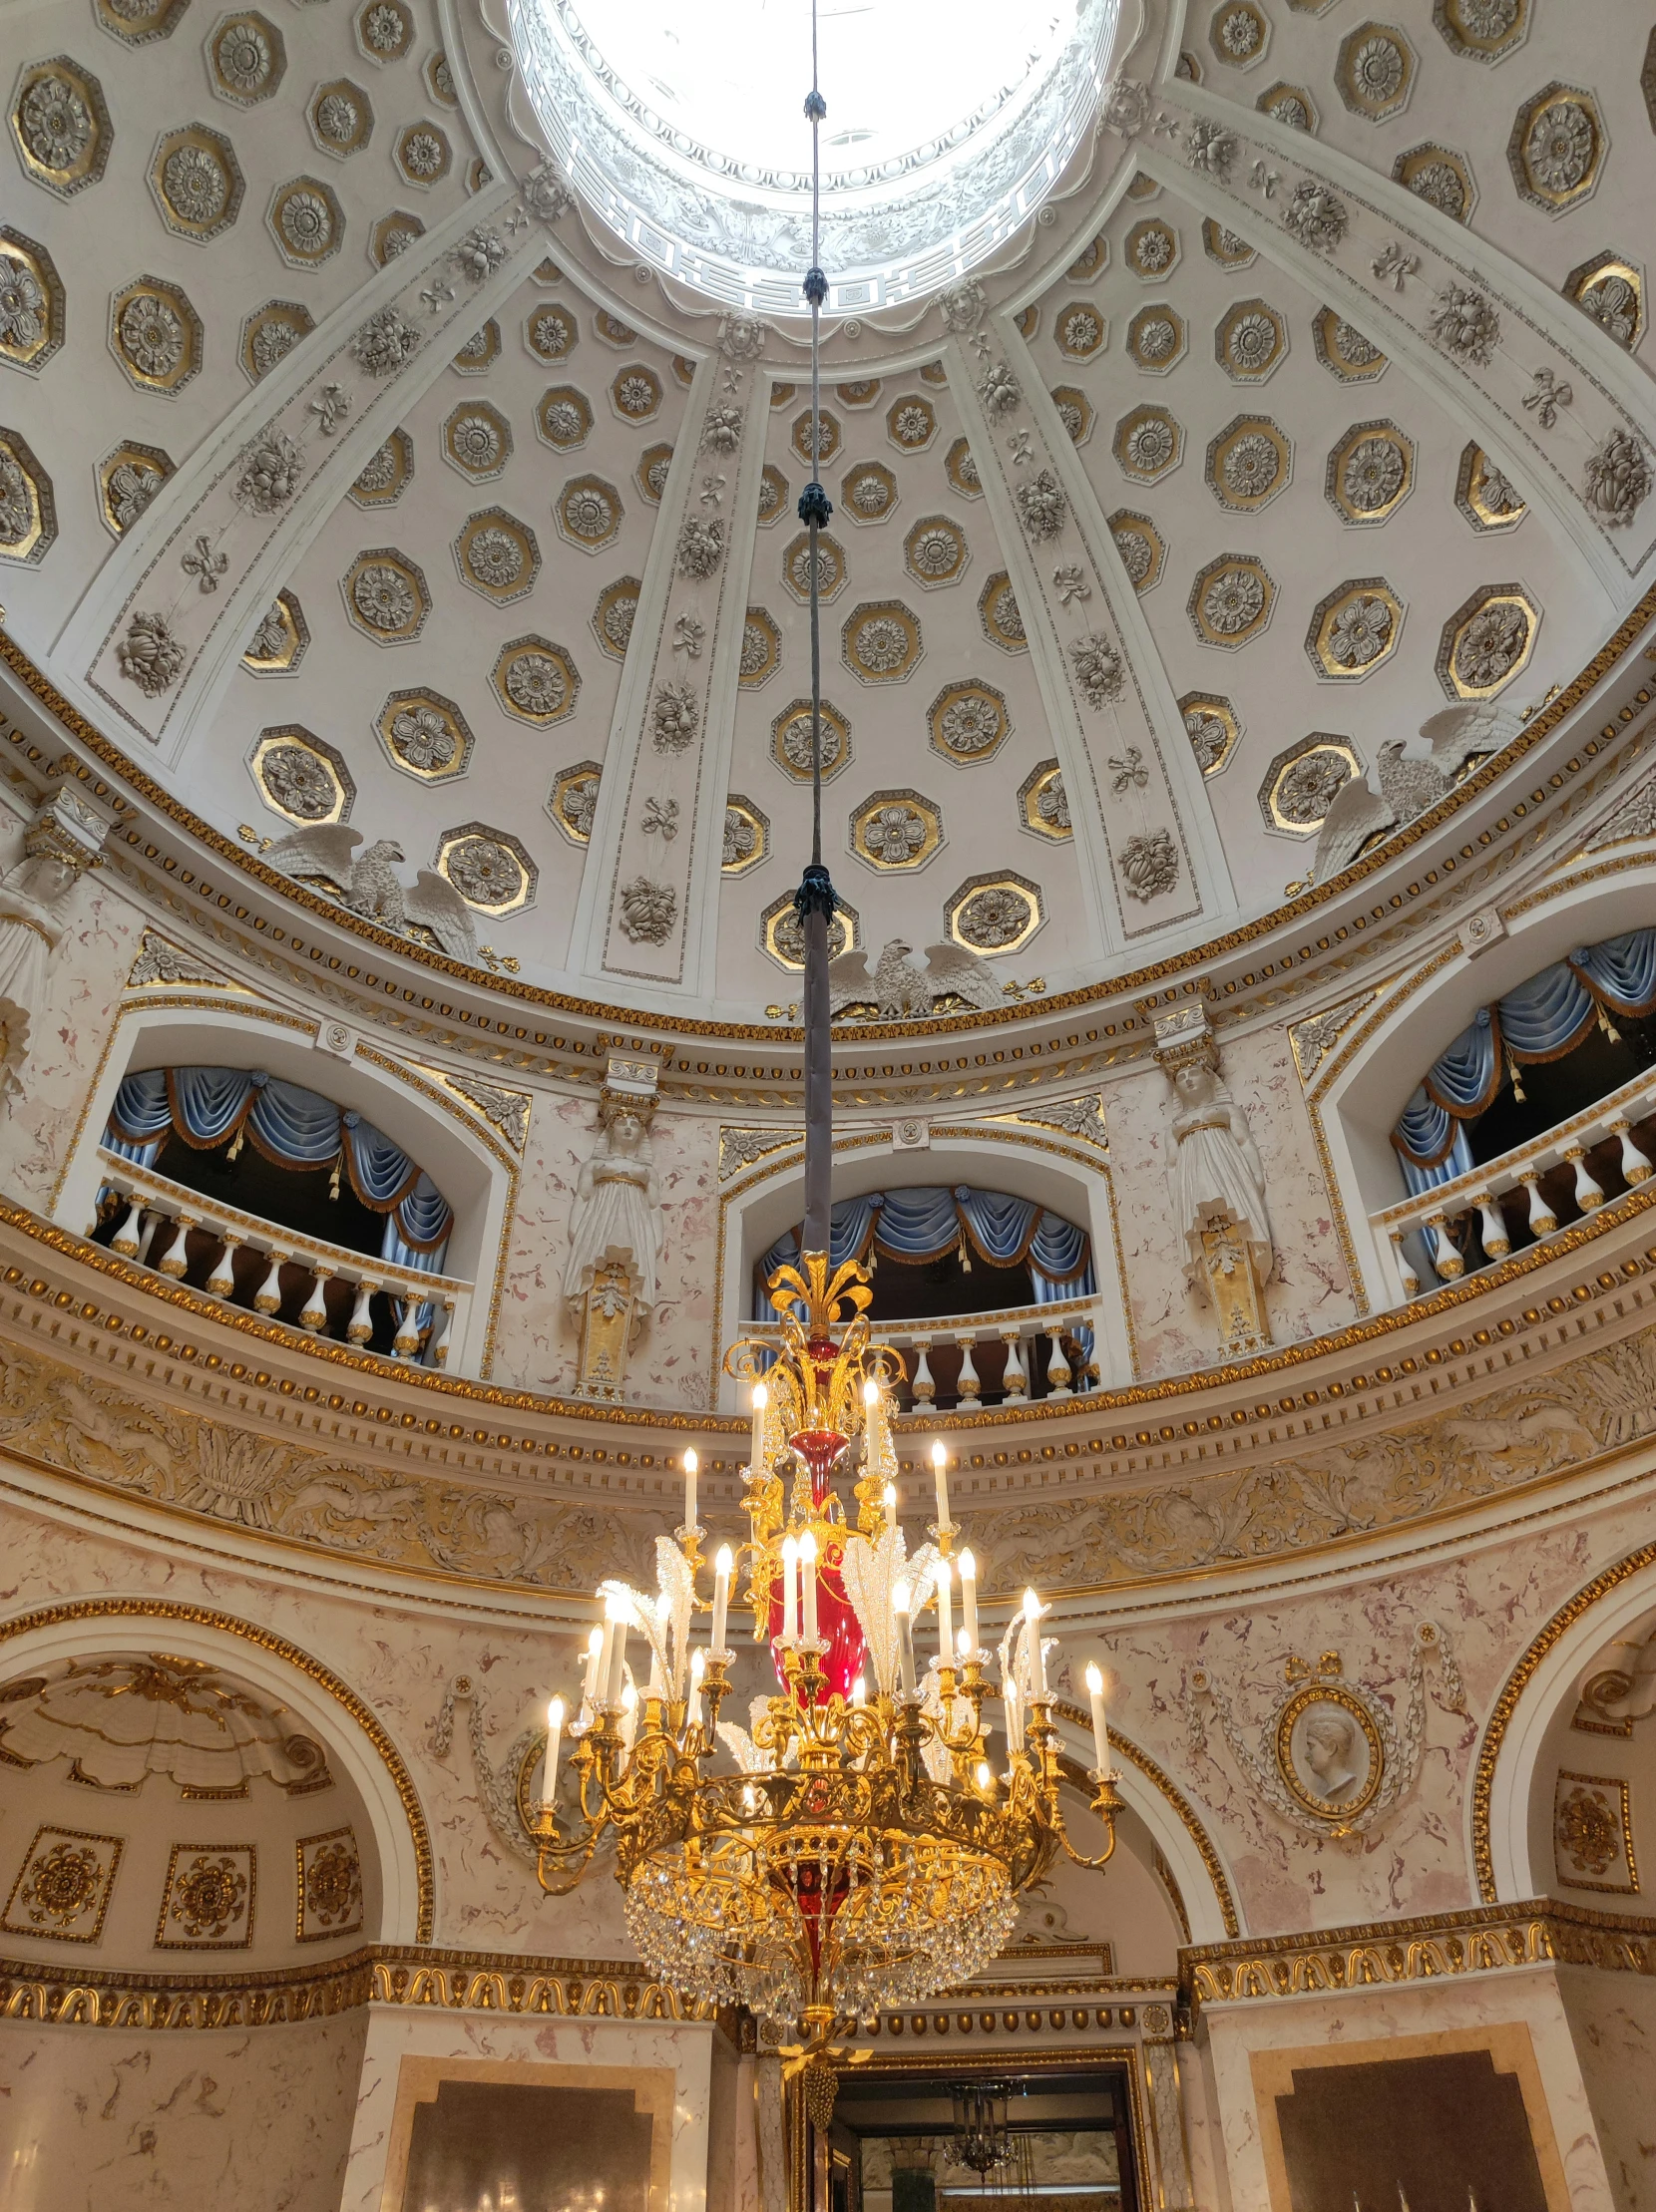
[(1381, 1954), (1298, 910), (504, 1982), (1513, 1689), (266, 1640)]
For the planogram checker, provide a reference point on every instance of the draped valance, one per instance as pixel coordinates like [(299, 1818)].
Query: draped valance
[(1542, 1019), (296, 1129), (930, 1220)]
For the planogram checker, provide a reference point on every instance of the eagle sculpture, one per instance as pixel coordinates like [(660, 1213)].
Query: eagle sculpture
[(1414, 773), (367, 884), (901, 989)]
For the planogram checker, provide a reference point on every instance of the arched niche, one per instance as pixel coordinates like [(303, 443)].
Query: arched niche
[(470, 1171), (372, 1792), (766, 1205), (1362, 1099), (1531, 1736)]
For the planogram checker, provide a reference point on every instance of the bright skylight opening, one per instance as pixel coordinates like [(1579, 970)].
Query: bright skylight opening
[(681, 122)]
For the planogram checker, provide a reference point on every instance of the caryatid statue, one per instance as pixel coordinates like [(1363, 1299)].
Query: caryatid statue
[(1218, 1184), (615, 1230)]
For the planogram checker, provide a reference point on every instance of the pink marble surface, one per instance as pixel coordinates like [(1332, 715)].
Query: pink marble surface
[(84, 981), (535, 1342), (109, 2120), (1612, 2017), (394, 2035), (1368, 2022), (1308, 1291)]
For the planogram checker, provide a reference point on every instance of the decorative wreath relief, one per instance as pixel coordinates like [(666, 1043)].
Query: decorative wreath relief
[(1314, 216), (1329, 1758), (1210, 147), (270, 475), (384, 342), (1043, 506), (721, 431), (999, 390), (1618, 478), (1464, 323), (648, 911), (700, 547), (674, 717), (1097, 667), (150, 655), (479, 254), (1149, 865)]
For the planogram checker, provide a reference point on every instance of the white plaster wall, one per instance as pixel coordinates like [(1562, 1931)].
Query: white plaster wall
[(107, 2120)]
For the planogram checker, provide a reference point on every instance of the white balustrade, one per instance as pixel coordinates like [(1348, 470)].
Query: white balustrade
[(1459, 1225), (1027, 1339), (158, 1218)]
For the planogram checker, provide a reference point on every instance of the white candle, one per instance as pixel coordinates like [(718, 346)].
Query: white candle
[(905, 1636), (620, 1615), (698, 1662), (969, 1598), (630, 1716), (986, 1777), (555, 1733), (807, 1579), (889, 1500), (723, 1561), (1012, 1699), (601, 1671), (757, 1449), (790, 1589), (939, 1464), (663, 1606), (1035, 1657), (946, 1613), (1101, 1726), (859, 1690), (595, 1653), (692, 1463)]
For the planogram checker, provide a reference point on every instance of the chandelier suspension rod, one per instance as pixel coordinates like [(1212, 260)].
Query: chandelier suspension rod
[(814, 900)]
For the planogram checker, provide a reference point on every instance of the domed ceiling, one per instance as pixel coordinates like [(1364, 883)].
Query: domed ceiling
[(357, 477)]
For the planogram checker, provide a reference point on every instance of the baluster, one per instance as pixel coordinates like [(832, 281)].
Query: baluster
[(221, 1283), (1444, 1257), (921, 1384), (268, 1300), (970, 1389), (152, 1222), (406, 1342), (361, 1323), (1542, 1220), (313, 1315), (1058, 1368), (1013, 1391), (1634, 1165), (1588, 1196), (126, 1239), (437, 1350), (1491, 1227), (1405, 1274), (174, 1260)]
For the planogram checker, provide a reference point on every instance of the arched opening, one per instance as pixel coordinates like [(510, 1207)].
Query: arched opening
[(288, 1156), (1571, 1034), (955, 1252)]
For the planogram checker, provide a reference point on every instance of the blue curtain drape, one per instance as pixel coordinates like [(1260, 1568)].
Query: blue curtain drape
[(294, 1128), (929, 1220), (1542, 1019)]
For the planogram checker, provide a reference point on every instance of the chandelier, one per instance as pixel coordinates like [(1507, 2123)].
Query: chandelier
[(979, 2139), (864, 1841), (859, 1844)]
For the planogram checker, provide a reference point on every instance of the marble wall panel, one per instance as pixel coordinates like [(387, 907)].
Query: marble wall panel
[(535, 1342), (394, 2035), (1382, 2019), (97, 2118), (1309, 1291), (1612, 2017)]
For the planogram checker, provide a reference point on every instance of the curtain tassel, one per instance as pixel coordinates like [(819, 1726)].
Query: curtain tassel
[(234, 1153), (1515, 1079), (1606, 1025), (964, 1255), (333, 1179)]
